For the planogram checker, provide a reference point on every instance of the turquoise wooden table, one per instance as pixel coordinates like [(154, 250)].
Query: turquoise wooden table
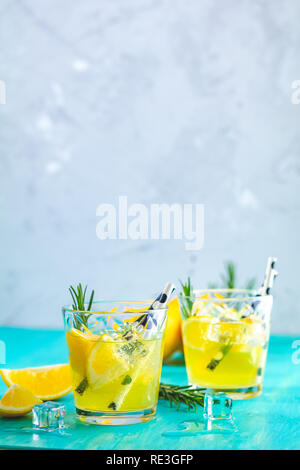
[(271, 421)]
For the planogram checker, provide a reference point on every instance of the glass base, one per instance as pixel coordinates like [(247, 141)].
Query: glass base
[(244, 393), (236, 393), (115, 419)]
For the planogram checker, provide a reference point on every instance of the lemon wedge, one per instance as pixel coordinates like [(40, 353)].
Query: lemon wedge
[(46, 382), (173, 341), (17, 402), (80, 345), (105, 363)]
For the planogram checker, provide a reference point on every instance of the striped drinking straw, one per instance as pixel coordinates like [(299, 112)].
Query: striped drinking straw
[(163, 297), (270, 275), (160, 301), (265, 288)]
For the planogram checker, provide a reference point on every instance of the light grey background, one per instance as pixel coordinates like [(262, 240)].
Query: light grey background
[(162, 101)]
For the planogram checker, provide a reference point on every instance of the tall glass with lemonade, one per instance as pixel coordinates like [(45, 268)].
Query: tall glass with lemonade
[(225, 337), (115, 354)]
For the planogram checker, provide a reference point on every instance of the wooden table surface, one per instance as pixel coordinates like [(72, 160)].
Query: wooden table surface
[(271, 421)]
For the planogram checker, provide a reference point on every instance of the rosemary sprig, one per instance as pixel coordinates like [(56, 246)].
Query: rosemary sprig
[(228, 282), (219, 356), (191, 397), (251, 283), (82, 386), (187, 298), (78, 297), (229, 278)]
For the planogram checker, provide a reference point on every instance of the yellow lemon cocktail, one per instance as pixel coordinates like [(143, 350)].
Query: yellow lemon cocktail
[(115, 358), (225, 338)]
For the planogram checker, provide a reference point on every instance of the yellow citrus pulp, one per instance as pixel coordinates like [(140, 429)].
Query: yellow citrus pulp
[(80, 345), (224, 355), (45, 382), (114, 375), (17, 402), (172, 341)]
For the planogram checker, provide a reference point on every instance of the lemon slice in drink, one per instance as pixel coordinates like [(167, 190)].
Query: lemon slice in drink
[(105, 363), (195, 330), (80, 345), (143, 371)]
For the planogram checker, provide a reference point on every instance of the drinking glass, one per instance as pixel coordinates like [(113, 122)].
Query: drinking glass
[(115, 354), (225, 338)]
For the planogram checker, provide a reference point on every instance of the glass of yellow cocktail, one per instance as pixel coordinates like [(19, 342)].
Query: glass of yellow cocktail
[(115, 353), (225, 337)]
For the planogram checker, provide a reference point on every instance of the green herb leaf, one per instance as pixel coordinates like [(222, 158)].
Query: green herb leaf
[(215, 361), (187, 298), (251, 283), (91, 300), (78, 297), (82, 386), (127, 380), (229, 278), (191, 397)]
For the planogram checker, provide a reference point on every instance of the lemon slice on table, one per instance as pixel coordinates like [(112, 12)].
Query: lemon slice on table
[(105, 364), (45, 382), (17, 402)]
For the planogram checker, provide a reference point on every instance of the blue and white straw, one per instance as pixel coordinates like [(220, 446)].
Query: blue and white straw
[(163, 297), (160, 302), (270, 276)]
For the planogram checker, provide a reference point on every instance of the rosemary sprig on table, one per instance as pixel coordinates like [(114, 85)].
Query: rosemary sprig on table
[(78, 297), (187, 298), (191, 397)]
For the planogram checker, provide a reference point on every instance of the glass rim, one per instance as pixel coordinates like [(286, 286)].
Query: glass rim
[(253, 296), (69, 308)]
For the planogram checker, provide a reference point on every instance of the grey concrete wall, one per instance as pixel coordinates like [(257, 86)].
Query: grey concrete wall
[(163, 101)]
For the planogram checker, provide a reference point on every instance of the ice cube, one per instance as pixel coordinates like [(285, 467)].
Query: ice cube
[(217, 406), (49, 416)]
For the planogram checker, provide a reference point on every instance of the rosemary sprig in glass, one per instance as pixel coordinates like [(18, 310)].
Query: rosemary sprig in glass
[(228, 282), (191, 397), (187, 298), (229, 278), (78, 297)]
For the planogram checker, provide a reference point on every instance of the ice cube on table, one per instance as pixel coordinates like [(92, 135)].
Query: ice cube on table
[(217, 406), (49, 416)]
